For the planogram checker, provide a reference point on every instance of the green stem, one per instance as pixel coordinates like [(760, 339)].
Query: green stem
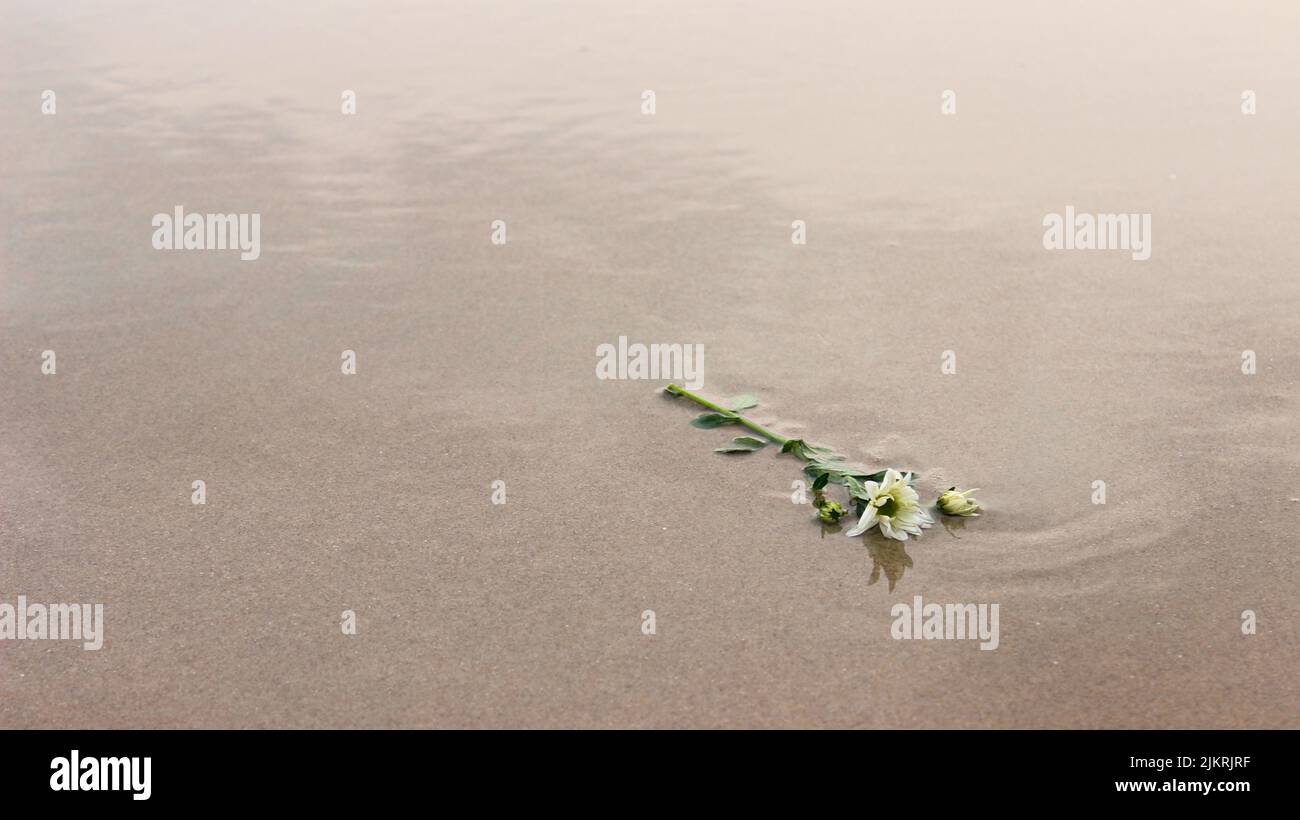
[(703, 402)]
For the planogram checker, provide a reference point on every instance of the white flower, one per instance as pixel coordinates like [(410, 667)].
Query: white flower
[(894, 506), (957, 502)]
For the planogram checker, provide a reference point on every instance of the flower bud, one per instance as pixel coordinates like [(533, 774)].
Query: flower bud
[(830, 511), (957, 502)]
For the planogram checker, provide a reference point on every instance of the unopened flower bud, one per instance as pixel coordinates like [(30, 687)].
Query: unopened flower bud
[(958, 502), (830, 511)]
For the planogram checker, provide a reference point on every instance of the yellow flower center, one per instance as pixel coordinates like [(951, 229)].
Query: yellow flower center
[(886, 505)]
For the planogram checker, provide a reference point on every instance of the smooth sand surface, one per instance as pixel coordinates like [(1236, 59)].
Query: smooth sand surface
[(476, 362)]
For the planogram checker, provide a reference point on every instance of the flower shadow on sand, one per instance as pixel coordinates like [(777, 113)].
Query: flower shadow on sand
[(888, 555), (953, 525)]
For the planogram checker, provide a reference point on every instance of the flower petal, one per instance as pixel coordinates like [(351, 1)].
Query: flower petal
[(866, 522)]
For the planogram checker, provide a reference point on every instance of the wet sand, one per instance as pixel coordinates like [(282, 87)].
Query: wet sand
[(475, 363)]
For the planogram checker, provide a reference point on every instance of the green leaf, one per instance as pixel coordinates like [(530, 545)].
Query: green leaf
[(743, 444), (839, 472), (841, 467), (742, 402), (814, 472), (857, 489), (821, 481), (707, 421), (809, 452), (836, 468)]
